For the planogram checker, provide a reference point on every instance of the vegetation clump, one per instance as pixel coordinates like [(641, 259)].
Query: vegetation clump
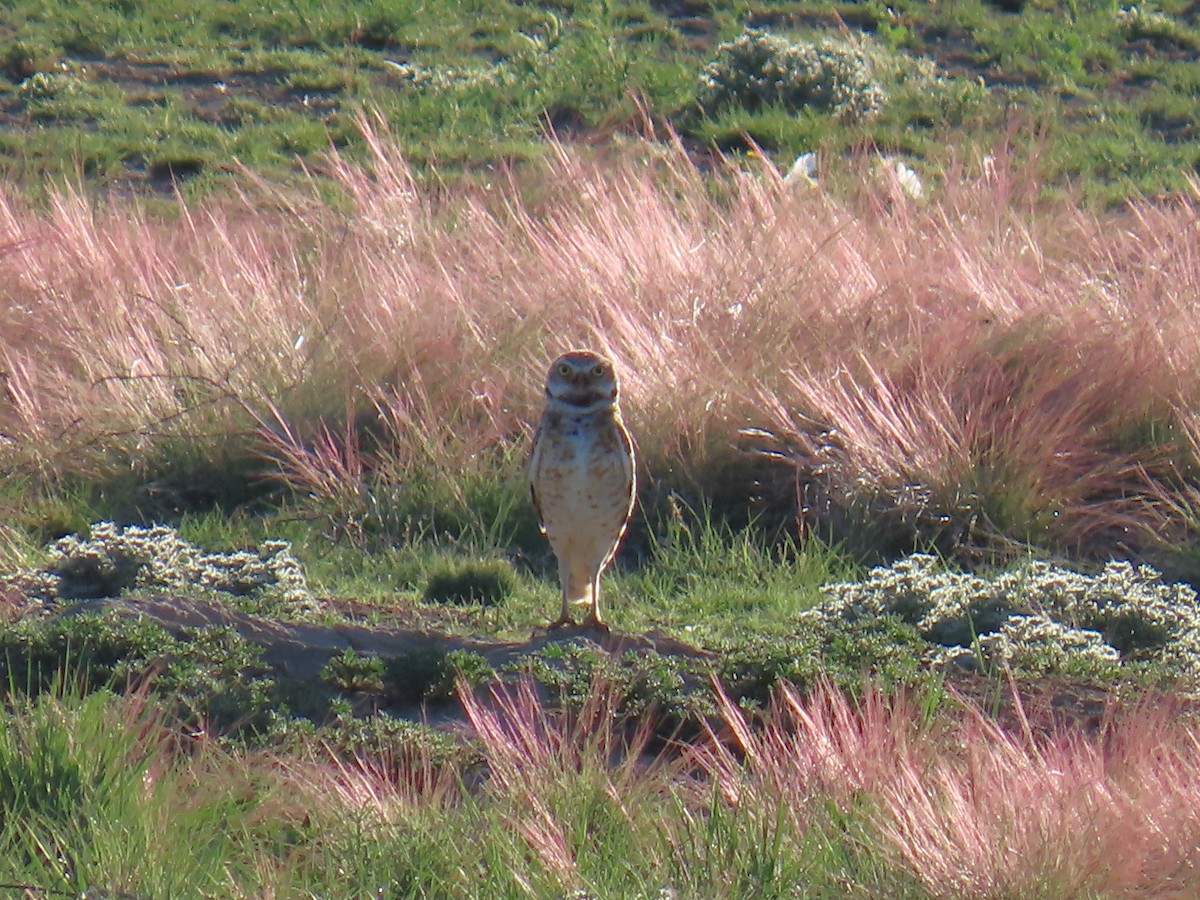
[(759, 68), (47, 86), (431, 674), (210, 675), (485, 582), (384, 737), (351, 671), (843, 652), (1038, 616), (112, 559), (668, 687)]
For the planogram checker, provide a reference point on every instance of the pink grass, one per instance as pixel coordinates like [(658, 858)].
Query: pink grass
[(543, 762), (975, 810), (995, 352), (955, 802)]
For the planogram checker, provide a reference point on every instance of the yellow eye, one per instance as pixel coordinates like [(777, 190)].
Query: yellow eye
[(564, 369), (598, 371)]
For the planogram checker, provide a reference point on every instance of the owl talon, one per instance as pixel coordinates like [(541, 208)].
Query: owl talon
[(561, 622), (594, 621)]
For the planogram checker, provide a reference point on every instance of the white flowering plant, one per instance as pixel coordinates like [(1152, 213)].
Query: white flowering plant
[(1037, 616), (759, 68), (113, 559)]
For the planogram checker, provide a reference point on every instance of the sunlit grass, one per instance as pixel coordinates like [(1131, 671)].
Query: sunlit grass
[(874, 795), (966, 371), (162, 96)]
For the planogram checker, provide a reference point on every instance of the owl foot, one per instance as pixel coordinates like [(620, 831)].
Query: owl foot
[(593, 621), (563, 621)]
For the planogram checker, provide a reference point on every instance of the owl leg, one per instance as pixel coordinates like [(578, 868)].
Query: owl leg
[(592, 618), (564, 620), (564, 574)]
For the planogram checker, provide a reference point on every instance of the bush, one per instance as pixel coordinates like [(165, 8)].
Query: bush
[(672, 688), (97, 649), (212, 675), (432, 675), (884, 650), (1039, 615), (351, 672), (112, 560), (762, 69), (486, 583), (381, 737)]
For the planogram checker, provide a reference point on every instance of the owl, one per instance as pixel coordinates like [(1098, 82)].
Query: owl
[(581, 476)]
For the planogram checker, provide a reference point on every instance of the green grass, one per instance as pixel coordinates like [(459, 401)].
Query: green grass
[(697, 578), (87, 802), (161, 93), (133, 760), (817, 796), (706, 581)]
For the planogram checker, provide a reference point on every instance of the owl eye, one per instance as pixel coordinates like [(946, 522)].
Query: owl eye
[(564, 369), (598, 371)]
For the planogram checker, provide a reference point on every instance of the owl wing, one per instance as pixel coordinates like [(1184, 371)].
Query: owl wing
[(629, 465), (534, 460), (630, 457)]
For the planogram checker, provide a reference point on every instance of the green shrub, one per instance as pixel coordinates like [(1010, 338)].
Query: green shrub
[(97, 649), (645, 681), (762, 69), (112, 560), (213, 675), (1039, 614), (352, 672), (884, 650), (431, 675), (486, 583), (384, 737), (749, 671)]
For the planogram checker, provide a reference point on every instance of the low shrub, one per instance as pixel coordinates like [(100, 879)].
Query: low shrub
[(487, 583), (762, 69), (113, 559), (212, 675), (1038, 615), (431, 674), (350, 671)]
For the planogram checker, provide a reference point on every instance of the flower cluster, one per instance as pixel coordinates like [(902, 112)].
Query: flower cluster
[(113, 559), (1037, 613), (1144, 21), (759, 69), (418, 77), (48, 85)]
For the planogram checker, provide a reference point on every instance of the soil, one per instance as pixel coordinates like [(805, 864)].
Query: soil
[(1051, 705)]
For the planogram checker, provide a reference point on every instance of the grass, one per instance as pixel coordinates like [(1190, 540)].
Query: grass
[(703, 579), (163, 97), (344, 348), (92, 795), (874, 797), (972, 372)]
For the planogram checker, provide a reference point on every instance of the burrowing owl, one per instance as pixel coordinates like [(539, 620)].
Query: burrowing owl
[(582, 476)]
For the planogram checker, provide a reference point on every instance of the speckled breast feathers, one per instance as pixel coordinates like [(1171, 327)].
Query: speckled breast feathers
[(582, 472)]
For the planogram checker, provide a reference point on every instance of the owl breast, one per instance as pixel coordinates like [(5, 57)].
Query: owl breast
[(584, 482)]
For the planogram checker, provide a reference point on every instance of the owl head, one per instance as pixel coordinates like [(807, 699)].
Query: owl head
[(582, 381)]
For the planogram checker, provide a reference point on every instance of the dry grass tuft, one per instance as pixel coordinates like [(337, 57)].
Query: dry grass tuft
[(973, 809), (1020, 369)]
